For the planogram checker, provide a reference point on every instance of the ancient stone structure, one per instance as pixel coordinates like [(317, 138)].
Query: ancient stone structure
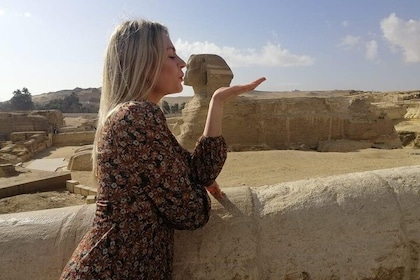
[(205, 73), (257, 121), (81, 160), (48, 121), (23, 145), (7, 170), (31, 181), (24, 134), (353, 226)]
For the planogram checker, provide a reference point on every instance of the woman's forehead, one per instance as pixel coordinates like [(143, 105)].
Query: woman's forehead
[(168, 43)]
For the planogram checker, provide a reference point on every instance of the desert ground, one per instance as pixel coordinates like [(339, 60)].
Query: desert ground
[(252, 168)]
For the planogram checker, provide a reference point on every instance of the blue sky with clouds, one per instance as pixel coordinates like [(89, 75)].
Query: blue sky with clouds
[(50, 45)]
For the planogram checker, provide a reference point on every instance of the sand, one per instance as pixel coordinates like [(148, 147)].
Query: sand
[(253, 169)]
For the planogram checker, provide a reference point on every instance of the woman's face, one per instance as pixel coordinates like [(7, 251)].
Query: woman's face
[(171, 76)]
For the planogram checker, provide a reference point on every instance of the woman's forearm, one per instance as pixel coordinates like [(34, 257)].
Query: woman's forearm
[(213, 126)]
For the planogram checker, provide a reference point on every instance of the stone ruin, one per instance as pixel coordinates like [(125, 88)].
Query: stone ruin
[(7, 170), (257, 121), (81, 160), (40, 120), (24, 134)]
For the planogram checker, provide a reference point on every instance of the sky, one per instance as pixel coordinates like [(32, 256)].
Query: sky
[(370, 45)]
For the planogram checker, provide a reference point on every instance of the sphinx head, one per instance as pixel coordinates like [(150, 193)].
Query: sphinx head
[(206, 73)]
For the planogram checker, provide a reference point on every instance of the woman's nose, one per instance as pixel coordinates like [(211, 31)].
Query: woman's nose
[(181, 63)]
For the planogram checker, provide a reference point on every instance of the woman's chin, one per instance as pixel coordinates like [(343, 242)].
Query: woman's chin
[(177, 91)]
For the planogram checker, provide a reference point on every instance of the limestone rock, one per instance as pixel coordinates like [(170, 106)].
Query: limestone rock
[(81, 160), (7, 170), (357, 226), (31, 121), (255, 122)]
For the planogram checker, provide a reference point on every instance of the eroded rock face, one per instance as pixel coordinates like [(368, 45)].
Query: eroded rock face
[(47, 121), (205, 73), (81, 160), (23, 134), (257, 121), (7, 170)]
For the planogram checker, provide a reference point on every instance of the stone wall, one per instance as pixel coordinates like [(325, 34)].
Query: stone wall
[(23, 145), (353, 226), (73, 138), (292, 123), (258, 122), (48, 121)]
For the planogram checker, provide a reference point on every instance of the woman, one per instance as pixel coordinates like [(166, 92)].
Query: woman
[(148, 185)]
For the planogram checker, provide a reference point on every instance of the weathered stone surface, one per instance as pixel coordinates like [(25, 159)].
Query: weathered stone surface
[(28, 133), (73, 138), (32, 121), (7, 170), (255, 122), (205, 73), (81, 160), (23, 145), (354, 226)]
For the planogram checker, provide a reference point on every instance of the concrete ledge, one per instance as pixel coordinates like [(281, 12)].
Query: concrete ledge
[(52, 181)]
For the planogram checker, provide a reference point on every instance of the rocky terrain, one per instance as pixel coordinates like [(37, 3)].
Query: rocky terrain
[(268, 166)]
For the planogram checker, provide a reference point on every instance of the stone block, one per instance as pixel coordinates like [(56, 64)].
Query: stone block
[(90, 199), (7, 170), (81, 161), (70, 185), (77, 189)]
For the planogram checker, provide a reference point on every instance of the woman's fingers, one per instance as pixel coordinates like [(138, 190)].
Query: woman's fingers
[(226, 93)]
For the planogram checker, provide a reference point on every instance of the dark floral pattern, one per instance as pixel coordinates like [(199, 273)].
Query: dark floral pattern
[(148, 186)]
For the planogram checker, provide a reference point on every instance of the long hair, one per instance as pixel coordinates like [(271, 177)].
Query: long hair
[(132, 64)]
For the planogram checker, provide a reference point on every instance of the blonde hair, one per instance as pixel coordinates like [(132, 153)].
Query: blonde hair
[(133, 61)]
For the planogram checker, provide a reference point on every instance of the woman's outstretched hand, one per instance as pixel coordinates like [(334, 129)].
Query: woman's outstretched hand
[(215, 191), (224, 94)]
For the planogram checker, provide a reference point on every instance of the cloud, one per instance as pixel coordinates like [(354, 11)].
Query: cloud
[(269, 55), (371, 50), (11, 13), (405, 35), (349, 41), (345, 23)]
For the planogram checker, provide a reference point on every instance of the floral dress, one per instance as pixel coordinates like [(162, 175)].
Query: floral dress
[(149, 185)]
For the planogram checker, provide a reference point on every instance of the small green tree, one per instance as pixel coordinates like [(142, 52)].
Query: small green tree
[(175, 108), (22, 100), (71, 104), (165, 107)]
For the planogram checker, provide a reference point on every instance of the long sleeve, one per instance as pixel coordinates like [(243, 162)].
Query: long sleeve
[(172, 179), (208, 159)]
